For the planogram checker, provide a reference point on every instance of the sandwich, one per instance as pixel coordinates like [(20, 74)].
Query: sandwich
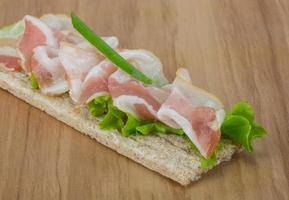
[(121, 97)]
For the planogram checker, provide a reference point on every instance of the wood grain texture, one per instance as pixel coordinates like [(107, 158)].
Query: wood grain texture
[(235, 49)]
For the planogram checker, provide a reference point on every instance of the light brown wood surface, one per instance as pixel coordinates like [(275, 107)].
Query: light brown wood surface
[(237, 49)]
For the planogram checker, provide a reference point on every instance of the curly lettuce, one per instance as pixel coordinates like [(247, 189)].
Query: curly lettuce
[(33, 81), (99, 105), (157, 127), (239, 125), (113, 119), (125, 123)]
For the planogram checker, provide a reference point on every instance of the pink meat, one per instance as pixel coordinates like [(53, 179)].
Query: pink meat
[(96, 81), (36, 33), (10, 63)]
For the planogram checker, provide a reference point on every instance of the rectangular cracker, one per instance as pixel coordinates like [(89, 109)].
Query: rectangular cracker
[(168, 155)]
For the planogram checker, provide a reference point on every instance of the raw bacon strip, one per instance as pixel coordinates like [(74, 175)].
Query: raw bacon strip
[(148, 63), (197, 112), (9, 59), (36, 33), (72, 37), (57, 22), (62, 28), (48, 71), (112, 41), (77, 62), (64, 31), (131, 95), (96, 81)]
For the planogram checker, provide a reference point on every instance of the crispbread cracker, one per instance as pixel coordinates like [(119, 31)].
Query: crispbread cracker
[(168, 155)]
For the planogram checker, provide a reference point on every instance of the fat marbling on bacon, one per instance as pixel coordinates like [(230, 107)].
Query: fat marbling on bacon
[(48, 70), (96, 81), (9, 59), (196, 111), (130, 95), (77, 62), (36, 33), (57, 22), (38, 49)]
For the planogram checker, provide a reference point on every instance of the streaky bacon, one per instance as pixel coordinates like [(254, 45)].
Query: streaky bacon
[(9, 59), (62, 28), (77, 62), (96, 81), (131, 95), (64, 32), (57, 22), (36, 33), (196, 111), (48, 71)]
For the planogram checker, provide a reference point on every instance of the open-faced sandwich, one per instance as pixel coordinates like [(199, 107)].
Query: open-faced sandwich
[(121, 98)]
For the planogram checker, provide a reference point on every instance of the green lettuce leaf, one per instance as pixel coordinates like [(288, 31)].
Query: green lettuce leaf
[(133, 126), (125, 122), (238, 129), (243, 109), (239, 126), (33, 81), (114, 119), (212, 161), (208, 163), (257, 131), (12, 31), (157, 127), (130, 125), (99, 105)]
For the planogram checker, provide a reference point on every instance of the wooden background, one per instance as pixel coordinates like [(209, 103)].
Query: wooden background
[(237, 49)]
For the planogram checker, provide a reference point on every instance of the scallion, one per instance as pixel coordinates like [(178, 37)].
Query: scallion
[(107, 51)]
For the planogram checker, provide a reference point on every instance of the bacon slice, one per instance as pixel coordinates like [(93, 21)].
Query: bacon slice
[(64, 31), (9, 59), (62, 28), (197, 112), (132, 96), (77, 62), (36, 33), (57, 22), (48, 71), (96, 81), (10, 63)]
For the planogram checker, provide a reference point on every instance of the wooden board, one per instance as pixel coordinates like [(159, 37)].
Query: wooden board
[(235, 49)]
